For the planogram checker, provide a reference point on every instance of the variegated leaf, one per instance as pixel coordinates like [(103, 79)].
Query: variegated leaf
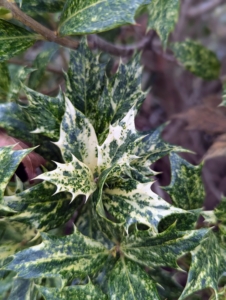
[(14, 39), (82, 17), (129, 281), (85, 80), (68, 257), (162, 249), (4, 81), (134, 202), (46, 112), (78, 292), (42, 5), (197, 59), (40, 63), (15, 236), (119, 144), (220, 211), (15, 122), (163, 16), (6, 282), (18, 75), (207, 265), (9, 160), (73, 177), (77, 137), (121, 92), (186, 188), (23, 289), (38, 207)]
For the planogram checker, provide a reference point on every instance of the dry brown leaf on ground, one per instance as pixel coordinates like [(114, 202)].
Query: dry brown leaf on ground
[(205, 117), (31, 162), (218, 148)]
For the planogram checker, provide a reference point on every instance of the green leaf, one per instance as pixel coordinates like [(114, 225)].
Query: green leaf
[(134, 202), (9, 160), (82, 17), (18, 75), (15, 236), (46, 112), (186, 188), (14, 121), (77, 137), (69, 256), (42, 5), (4, 81), (197, 59), (73, 177), (40, 63), (162, 249), (85, 80), (14, 40), (128, 281), (4, 11), (206, 268), (38, 207), (88, 291), (163, 16), (23, 289), (220, 211)]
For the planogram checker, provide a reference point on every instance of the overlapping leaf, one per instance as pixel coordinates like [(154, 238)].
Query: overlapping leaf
[(163, 15), (134, 202), (197, 59), (186, 188), (163, 249), (128, 281), (9, 160), (73, 177), (13, 40), (23, 289), (87, 291), (4, 81), (38, 207), (82, 17), (208, 254), (46, 112), (69, 257), (77, 137)]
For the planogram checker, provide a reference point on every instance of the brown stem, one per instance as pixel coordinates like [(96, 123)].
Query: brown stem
[(46, 33)]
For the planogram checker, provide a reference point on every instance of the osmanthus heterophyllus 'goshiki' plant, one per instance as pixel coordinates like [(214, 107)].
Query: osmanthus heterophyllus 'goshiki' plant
[(123, 226), (126, 238)]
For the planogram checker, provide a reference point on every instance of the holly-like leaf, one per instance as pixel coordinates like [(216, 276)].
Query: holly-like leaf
[(72, 256), (82, 17), (128, 281), (42, 5), (134, 202), (38, 207), (163, 16), (18, 75), (85, 80), (186, 188), (23, 289), (9, 160), (73, 177), (46, 112), (87, 291), (14, 40), (77, 137), (40, 63), (121, 92), (15, 236), (162, 249), (220, 211), (208, 254), (4, 81), (197, 59)]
